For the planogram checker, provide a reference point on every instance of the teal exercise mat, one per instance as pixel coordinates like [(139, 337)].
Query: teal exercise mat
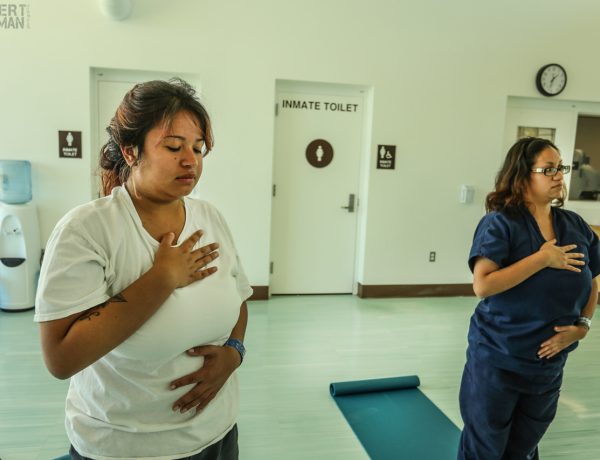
[(370, 386), (394, 420)]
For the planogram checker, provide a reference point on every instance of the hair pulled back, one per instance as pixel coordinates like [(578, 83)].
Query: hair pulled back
[(145, 106), (513, 177)]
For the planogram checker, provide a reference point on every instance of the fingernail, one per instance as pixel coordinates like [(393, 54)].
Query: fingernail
[(191, 350), (175, 408), (183, 411), (172, 387)]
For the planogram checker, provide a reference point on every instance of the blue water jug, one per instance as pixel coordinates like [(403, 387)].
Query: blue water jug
[(15, 181)]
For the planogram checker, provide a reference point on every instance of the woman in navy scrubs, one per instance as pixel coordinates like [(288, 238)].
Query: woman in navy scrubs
[(534, 266)]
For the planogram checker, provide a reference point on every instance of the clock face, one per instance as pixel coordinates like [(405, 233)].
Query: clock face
[(551, 79)]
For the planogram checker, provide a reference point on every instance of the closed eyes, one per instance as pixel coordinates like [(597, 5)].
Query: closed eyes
[(197, 150)]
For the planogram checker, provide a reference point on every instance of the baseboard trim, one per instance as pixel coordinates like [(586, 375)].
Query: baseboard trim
[(394, 290), (260, 293), (414, 290)]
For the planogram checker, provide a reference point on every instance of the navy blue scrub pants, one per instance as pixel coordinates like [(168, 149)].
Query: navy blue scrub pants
[(505, 413)]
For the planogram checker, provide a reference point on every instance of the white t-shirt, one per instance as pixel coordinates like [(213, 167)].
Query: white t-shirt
[(120, 406)]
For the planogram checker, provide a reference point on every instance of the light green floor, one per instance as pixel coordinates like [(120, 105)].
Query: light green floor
[(297, 345)]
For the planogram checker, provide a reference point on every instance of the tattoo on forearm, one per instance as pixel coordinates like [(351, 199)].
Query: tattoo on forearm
[(95, 311)]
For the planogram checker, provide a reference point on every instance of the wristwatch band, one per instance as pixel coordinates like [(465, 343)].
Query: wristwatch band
[(238, 345), (584, 321)]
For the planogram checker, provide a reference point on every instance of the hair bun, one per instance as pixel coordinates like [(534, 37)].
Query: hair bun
[(112, 150)]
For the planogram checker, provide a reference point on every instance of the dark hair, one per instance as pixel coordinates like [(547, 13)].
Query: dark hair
[(514, 176), (145, 106)]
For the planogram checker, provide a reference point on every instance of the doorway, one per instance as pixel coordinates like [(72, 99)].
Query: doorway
[(585, 179), (563, 117), (320, 132)]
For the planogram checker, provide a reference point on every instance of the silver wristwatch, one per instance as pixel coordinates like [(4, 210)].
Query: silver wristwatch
[(584, 321)]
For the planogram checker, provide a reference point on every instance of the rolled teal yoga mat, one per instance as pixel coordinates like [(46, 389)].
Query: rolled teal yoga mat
[(394, 420)]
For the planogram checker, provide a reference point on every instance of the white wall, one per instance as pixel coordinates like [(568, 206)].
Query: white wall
[(441, 73)]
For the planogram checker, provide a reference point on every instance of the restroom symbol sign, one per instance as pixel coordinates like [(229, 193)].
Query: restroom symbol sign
[(386, 157), (69, 144), (319, 153)]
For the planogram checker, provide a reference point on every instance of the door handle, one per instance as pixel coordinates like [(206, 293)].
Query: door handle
[(351, 199)]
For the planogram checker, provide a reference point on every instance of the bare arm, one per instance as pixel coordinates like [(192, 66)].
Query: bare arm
[(70, 344), (239, 330), (490, 279)]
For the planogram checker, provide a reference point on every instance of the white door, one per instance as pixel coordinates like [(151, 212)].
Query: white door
[(318, 139)]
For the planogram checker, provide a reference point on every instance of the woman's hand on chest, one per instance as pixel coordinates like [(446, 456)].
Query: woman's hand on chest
[(182, 265), (561, 257)]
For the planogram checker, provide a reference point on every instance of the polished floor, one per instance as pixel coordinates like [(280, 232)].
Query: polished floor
[(296, 346)]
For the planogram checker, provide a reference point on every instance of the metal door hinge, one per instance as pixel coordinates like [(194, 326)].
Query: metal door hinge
[(274, 189), (271, 268)]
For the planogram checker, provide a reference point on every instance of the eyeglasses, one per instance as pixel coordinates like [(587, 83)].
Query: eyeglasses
[(565, 169)]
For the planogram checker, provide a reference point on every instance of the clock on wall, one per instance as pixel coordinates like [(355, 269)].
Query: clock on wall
[(551, 79)]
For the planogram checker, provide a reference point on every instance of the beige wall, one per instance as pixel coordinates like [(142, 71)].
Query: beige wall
[(441, 73)]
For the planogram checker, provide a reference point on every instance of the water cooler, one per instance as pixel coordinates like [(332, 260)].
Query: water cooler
[(20, 244)]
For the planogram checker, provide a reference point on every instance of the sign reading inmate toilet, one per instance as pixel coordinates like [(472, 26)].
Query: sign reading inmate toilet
[(322, 106), (319, 153), (69, 144), (386, 157)]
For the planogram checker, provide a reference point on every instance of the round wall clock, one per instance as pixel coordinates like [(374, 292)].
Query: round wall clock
[(551, 79)]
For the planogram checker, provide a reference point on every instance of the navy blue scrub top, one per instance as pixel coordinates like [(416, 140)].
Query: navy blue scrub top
[(508, 328)]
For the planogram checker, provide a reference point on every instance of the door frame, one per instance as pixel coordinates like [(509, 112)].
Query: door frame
[(337, 89)]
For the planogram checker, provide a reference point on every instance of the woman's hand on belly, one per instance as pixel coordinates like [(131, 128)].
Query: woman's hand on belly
[(219, 364), (566, 335)]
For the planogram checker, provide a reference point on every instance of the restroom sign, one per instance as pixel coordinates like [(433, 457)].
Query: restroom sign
[(386, 157), (69, 144), (319, 153), (324, 106)]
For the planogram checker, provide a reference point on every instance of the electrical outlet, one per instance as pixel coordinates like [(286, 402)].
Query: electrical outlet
[(432, 256)]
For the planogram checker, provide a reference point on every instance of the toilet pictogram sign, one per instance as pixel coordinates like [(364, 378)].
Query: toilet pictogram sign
[(386, 156), (319, 153), (69, 144)]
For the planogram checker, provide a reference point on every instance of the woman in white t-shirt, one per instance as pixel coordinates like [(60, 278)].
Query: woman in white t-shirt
[(142, 297)]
